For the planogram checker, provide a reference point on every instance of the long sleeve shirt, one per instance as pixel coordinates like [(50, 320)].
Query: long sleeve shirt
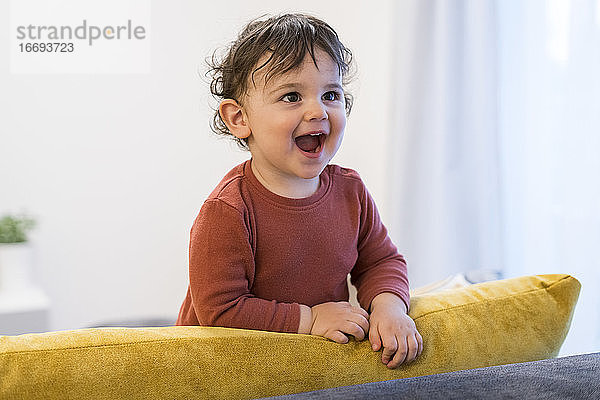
[(255, 256)]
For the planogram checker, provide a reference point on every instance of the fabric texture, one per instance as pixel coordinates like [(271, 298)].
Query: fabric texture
[(574, 377), (492, 323), (255, 256)]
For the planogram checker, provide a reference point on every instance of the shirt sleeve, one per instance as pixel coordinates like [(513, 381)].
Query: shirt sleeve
[(222, 271), (379, 267)]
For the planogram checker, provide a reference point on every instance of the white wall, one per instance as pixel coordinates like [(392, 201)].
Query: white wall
[(116, 167)]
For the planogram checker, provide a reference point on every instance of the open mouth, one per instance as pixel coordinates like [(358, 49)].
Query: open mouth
[(311, 142)]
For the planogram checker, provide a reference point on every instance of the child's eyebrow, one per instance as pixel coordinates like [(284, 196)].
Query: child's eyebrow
[(295, 85)]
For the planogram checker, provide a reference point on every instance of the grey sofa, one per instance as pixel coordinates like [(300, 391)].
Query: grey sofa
[(574, 377)]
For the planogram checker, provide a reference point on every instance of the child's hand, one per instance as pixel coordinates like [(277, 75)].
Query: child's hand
[(335, 320), (394, 329)]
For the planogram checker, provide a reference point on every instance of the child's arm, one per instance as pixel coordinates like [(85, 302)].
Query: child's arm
[(381, 280), (222, 273), (379, 267), (392, 329)]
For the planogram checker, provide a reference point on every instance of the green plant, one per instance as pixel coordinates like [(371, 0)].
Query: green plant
[(13, 229)]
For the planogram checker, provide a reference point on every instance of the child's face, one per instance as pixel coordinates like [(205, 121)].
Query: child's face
[(300, 102)]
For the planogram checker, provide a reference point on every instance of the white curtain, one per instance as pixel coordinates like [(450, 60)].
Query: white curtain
[(445, 153), (496, 151)]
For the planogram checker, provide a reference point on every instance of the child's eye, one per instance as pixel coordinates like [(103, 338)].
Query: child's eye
[(331, 96), (291, 97)]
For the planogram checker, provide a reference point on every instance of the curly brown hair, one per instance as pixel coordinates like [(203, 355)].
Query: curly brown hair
[(287, 38)]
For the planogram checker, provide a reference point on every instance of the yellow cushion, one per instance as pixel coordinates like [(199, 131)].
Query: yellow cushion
[(499, 322)]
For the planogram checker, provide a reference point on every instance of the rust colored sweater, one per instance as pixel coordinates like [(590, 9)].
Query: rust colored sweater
[(255, 256)]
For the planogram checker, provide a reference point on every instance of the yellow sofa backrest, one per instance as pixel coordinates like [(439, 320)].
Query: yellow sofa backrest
[(507, 321)]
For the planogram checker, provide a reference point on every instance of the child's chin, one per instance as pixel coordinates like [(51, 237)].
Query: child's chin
[(311, 173)]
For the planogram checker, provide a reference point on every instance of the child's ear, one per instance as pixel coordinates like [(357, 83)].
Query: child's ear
[(235, 118)]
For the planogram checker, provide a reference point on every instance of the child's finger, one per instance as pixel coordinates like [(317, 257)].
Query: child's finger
[(374, 338), (360, 321), (400, 355), (413, 348), (361, 311), (337, 337), (352, 328), (420, 341), (390, 345)]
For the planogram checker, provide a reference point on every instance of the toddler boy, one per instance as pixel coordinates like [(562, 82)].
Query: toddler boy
[(274, 242)]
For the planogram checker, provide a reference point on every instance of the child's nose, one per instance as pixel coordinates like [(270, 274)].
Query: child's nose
[(316, 110)]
